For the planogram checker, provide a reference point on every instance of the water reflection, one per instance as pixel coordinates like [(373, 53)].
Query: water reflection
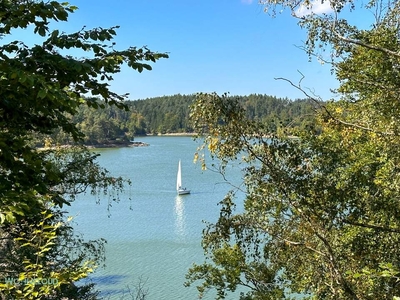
[(180, 226)]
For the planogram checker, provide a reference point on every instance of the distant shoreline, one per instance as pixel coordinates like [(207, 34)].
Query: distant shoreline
[(118, 145), (134, 143), (99, 146), (122, 144), (177, 134)]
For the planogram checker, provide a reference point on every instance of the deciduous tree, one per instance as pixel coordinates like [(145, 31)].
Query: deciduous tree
[(41, 87), (321, 214)]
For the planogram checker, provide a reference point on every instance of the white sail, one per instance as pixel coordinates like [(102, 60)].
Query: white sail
[(179, 177), (179, 188)]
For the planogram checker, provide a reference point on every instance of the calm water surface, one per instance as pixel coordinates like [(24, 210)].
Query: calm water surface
[(157, 234)]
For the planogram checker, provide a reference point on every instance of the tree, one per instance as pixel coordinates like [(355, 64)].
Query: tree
[(44, 246), (321, 214), (41, 87)]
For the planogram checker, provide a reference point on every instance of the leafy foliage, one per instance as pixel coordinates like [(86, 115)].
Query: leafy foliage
[(321, 211), (41, 87)]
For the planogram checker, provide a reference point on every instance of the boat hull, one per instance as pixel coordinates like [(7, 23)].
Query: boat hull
[(183, 192)]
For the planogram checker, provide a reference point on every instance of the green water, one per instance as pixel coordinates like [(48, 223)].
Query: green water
[(157, 234)]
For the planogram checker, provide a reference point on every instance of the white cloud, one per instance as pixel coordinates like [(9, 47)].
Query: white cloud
[(316, 7)]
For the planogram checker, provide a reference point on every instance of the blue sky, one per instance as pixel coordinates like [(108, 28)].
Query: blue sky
[(214, 45)]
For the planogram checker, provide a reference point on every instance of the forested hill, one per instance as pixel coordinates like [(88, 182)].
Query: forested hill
[(170, 114)]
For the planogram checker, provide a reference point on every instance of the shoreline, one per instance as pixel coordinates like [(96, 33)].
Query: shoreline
[(118, 145), (132, 143), (98, 146), (176, 134)]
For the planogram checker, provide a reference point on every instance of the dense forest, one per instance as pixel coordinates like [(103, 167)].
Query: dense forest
[(170, 114)]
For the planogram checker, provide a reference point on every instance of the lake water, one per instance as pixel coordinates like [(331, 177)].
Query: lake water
[(156, 235)]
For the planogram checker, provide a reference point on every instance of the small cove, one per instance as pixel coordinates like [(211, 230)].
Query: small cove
[(156, 235)]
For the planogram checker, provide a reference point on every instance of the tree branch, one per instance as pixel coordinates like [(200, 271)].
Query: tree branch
[(371, 226), (317, 101), (366, 45)]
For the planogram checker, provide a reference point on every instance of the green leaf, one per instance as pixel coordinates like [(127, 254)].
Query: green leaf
[(2, 218), (42, 31), (54, 34), (10, 217), (22, 78), (42, 94)]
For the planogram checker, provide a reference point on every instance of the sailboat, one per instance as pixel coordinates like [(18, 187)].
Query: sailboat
[(181, 190)]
